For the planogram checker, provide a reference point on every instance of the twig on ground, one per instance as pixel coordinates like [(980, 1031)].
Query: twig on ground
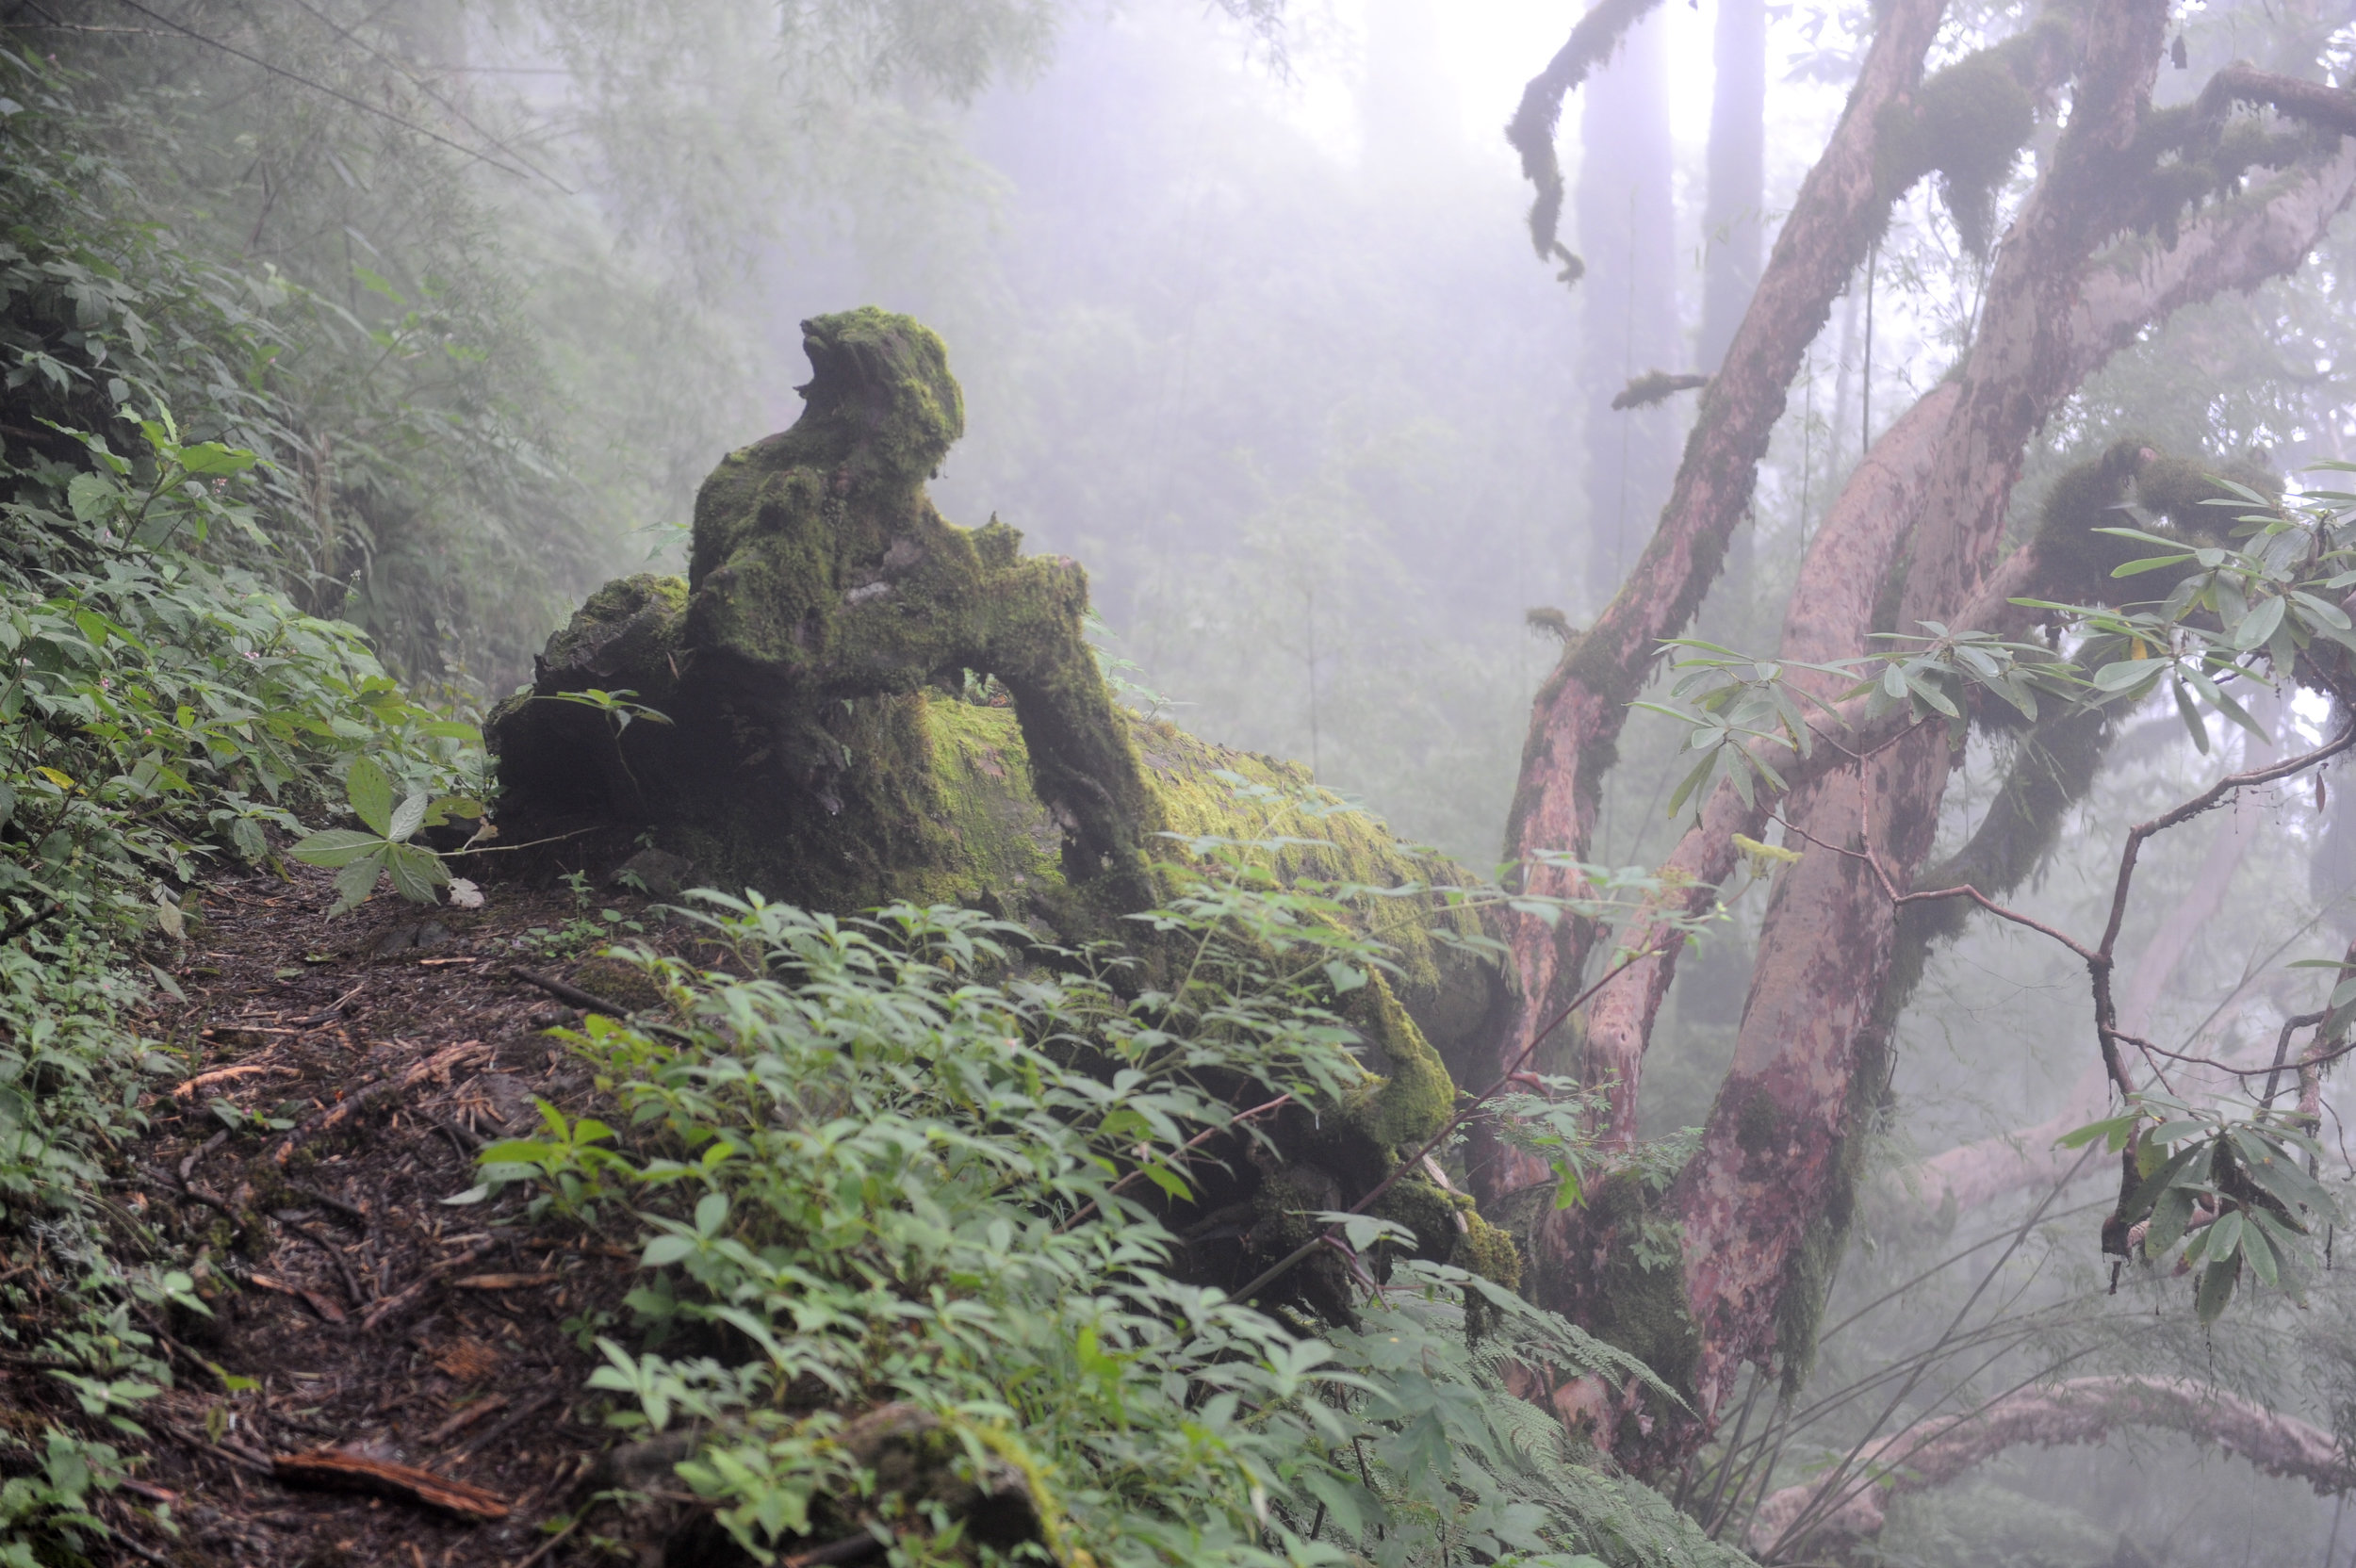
[(564, 992)]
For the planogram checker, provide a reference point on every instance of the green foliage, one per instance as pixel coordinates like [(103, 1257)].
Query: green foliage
[(160, 707), (1728, 700), (401, 469), (158, 710), (361, 859), (887, 1159), (2235, 1190)]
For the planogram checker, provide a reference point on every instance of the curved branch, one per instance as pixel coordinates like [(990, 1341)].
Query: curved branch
[(2083, 1409), (2317, 103), (1533, 127), (1979, 1173)]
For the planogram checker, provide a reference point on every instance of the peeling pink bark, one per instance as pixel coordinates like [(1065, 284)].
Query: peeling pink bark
[(1830, 618), (1576, 718)]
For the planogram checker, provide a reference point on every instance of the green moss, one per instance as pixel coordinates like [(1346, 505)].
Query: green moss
[(1968, 124), (626, 632), (1280, 1224), (622, 983), (1808, 1277), (1424, 1208), (1488, 1251), (1406, 1107), (1642, 1310), (2170, 494)]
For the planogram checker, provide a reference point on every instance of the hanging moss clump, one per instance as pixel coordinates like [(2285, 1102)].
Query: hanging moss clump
[(2134, 484)]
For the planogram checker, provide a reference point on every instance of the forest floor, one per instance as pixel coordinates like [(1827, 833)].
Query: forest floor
[(387, 1378)]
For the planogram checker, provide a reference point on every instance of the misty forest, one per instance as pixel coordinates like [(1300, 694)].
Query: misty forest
[(1156, 782)]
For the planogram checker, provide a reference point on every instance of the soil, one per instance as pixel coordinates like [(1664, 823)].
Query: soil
[(358, 1314)]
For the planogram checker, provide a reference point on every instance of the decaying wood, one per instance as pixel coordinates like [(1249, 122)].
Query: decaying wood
[(568, 993), (332, 1470), (408, 1295)]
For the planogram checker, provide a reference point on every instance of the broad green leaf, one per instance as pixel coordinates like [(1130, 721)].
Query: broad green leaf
[(2224, 1237), (334, 847), (211, 457), (2158, 1181), (357, 880), (2215, 697), (2278, 1172), (1693, 781), (2169, 1216), (372, 796), (2324, 611), (1928, 690), (2216, 1289), (2127, 673), (2255, 628), (2263, 1261), (91, 496), (666, 1250), (2115, 1128), (2191, 715), (410, 815), (416, 873)]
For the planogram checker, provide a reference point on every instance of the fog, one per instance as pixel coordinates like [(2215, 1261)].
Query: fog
[(1246, 311), (1250, 325)]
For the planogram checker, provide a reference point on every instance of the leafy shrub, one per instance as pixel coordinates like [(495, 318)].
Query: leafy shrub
[(155, 709), (885, 1162)]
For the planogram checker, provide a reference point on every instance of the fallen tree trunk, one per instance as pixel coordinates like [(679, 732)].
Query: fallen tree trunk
[(1809, 1519)]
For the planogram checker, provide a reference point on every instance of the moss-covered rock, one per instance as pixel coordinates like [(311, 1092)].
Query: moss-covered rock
[(824, 595)]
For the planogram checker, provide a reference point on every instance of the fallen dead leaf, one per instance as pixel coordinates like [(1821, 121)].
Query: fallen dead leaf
[(469, 1361)]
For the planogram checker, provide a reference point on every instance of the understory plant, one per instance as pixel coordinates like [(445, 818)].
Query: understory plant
[(906, 1158), (159, 711)]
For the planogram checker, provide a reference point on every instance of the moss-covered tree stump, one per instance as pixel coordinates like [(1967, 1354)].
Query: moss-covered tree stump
[(851, 701)]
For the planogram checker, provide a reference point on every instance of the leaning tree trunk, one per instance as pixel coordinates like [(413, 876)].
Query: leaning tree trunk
[(1579, 712), (1763, 1207)]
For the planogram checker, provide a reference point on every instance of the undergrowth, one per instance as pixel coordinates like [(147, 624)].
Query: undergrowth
[(159, 710), (893, 1159)]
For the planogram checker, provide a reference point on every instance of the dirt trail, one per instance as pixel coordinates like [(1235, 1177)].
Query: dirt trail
[(379, 1050)]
